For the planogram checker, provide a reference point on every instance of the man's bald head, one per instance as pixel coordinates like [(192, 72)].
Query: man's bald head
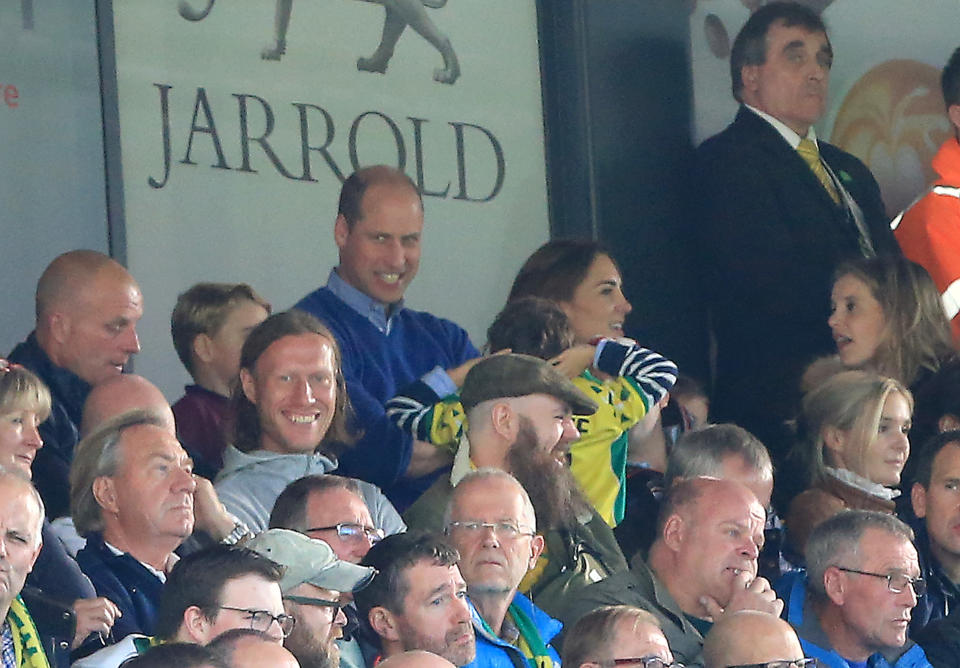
[(415, 659), (88, 306), (711, 532), (63, 279), (120, 395), (749, 636)]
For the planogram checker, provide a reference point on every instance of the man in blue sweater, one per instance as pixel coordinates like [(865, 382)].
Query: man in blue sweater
[(385, 345)]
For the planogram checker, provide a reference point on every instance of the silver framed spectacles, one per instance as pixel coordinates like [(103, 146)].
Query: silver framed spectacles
[(896, 582), (502, 530), (352, 531)]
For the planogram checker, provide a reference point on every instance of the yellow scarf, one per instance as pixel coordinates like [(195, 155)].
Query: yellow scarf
[(26, 640)]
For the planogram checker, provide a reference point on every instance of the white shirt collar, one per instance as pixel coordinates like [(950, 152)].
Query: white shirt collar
[(792, 137), (171, 560)]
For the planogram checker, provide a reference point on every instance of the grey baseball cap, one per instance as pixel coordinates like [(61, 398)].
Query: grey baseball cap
[(513, 375), (306, 560)]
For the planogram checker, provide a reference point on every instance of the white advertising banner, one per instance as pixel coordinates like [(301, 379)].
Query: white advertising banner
[(239, 120), (885, 103)]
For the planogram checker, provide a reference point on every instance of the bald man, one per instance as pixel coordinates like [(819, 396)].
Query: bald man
[(121, 394), (750, 636), (87, 308), (415, 659), (246, 648), (702, 566)]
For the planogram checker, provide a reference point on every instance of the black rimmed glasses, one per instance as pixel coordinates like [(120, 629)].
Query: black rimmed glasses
[(502, 530), (261, 620), (645, 661), (317, 602), (352, 531), (896, 582), (799, 663)]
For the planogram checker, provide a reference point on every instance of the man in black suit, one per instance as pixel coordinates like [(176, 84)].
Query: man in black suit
[(773, 224)]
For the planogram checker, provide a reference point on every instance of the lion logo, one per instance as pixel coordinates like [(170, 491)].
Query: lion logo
[(399, 14)]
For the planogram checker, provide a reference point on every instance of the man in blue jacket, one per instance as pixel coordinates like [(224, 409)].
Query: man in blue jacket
[(491, 522), (863, 579)]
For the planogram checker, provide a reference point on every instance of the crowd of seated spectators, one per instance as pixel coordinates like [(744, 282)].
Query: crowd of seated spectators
[(350, 482)]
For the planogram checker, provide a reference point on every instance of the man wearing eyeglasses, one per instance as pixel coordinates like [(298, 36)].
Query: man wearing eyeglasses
[(207, 593), (314, 581), (330, 507), (617, 635), (853, 607), (753, 639), (491, 522)]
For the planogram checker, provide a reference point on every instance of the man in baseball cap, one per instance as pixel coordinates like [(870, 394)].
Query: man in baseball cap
[(313, 584)]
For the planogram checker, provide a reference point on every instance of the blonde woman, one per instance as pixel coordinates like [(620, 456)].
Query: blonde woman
[(856, 443), (886, 315), (24, 405)]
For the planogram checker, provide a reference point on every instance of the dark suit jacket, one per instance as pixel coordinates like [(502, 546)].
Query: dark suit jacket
[(770, 238)]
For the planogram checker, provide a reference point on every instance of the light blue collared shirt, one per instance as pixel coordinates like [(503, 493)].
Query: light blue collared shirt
[(379, 314)]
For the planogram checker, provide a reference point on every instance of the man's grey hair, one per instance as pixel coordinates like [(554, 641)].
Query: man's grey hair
[(701, 452), (836, 542), (97, 455), (487, 473), (18, 476)]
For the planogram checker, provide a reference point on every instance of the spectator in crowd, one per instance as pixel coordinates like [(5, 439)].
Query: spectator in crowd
[(491, 522), (852, 608), (314, 583), (629, 382), (331, 508), (702, 566), (753, 638), (777, 209), (131, 392), (291, 411), (519, 419), (24, 405), (208, 592), (179, 654), (21, 516), (723, 451), (418, 600), (386, 346), (854, 440), (927, 231), (634, 378), (935, 497), (131, 489), (617, 635), (209, 324), (121, 394), (886, 316), (87, 307), (247, 648)]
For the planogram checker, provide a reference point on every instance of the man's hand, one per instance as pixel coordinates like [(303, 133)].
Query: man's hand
[(459, 373), (209, 514), (94, 615), (426, 458), (749, 593), (574, 361)]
